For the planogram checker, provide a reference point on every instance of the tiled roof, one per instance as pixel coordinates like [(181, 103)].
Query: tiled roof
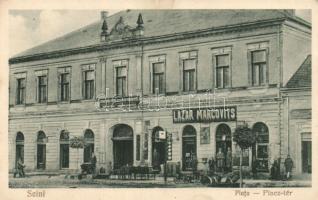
[(302, 77), (156, 23)]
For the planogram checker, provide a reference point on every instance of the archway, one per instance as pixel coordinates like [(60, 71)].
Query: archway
[(89, 147), (158, 149), (189, 147), (223, 139), (123, 147), (64, 149), (41, 150), (260, 149), (19, 147)]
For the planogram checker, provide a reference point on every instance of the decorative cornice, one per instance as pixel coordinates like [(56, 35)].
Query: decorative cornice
[(149, 40)]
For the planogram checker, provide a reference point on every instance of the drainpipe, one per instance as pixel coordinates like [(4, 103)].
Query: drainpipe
[(142, 112), (287, 128)]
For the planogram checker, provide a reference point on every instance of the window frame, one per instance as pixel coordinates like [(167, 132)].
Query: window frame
[(60, 72), (183, 56), (63, 84), (221, 51), (155, 59), (258, 64), (85, 69), (223, 67), (120, 63), (122, 79), (39, 87), (39, 73), (254, 47), (18, 100)]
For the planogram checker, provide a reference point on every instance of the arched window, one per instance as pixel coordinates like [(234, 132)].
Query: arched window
[(19, 148), (89, 147), (260, 151), (189, 147), (223, 138), (158, 148), (41, 150), (64, 149)]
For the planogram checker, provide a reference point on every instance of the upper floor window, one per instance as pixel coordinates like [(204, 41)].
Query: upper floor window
[(258, 64), (88, 81), (42, 86), (120, 70), (258, 67), (222, 66), (157, 64), (158, 78), (121, 81), (64, 83), (222, 71), (20, 98), (189, 63), (20, 88)]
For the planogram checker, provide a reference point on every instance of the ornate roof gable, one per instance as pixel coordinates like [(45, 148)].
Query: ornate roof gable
[(121, 30)]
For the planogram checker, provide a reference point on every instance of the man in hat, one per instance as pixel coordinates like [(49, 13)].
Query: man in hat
[(288, 166)]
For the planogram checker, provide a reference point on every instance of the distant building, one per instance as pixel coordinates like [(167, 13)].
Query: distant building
[(126, 81)]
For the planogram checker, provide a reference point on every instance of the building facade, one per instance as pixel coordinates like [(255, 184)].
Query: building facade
[(194, 75)]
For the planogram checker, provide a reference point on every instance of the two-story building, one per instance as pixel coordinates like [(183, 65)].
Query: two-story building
[(129, 78)]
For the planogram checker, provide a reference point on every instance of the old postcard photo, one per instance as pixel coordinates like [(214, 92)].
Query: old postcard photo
[(207, 99)]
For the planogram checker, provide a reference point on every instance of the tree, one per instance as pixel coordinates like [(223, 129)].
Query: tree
[(77, 142), (244, 138)]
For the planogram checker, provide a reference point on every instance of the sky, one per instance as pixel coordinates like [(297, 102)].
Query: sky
[(29, 28)]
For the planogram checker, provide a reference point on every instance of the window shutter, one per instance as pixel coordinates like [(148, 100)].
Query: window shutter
[(249, 64)]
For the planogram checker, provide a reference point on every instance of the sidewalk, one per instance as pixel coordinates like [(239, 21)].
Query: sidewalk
[(59, 181)]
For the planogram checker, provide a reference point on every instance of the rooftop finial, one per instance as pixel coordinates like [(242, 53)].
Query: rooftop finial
[(104, 27), (140, 22)]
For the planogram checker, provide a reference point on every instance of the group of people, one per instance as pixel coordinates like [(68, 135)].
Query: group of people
[(222, 162), (275, 173)]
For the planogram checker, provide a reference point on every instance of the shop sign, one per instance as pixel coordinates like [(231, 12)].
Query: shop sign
[(169, 146), (205, 115)]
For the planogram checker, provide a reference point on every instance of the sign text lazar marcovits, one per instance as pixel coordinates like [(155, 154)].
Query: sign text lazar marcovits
[(205, 115)]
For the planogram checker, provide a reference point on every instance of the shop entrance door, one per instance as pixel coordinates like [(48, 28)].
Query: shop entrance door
[(158, 149), (123, 146), (306, 156), (19, 149), (189, 148), (123, 153)]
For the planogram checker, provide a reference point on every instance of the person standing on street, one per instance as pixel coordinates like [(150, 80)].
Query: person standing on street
[(21, 167), (220, 160), (288, 166)]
